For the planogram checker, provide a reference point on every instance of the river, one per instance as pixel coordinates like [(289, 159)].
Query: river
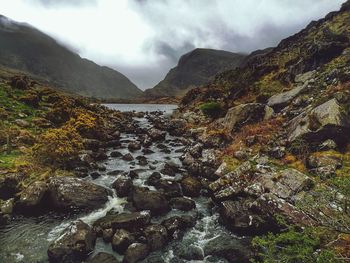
[(26, 239)]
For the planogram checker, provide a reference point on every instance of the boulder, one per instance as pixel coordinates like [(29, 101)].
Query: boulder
[(191, 186), (169, 188), (177, 224), (122, 239), (324, 165), (32, 197), (157, 236), (279, 101), (128, 157), (156, 135), (134, 146), (136, 252), (123, 186), (107, 235), (69, 192), (8, 186), (116, 154), (182, 203), (74, 245), (128, 221), (144, 199), (327, 121), (243, 114)]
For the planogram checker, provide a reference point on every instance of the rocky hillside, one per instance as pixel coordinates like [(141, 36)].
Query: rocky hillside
[(23, 47), (281, 126), (194, 69)]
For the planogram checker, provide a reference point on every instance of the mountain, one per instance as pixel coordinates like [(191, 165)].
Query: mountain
[(194, 69), (25, 48)]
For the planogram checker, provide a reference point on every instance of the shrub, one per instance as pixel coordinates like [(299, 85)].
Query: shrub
[(211, 109), (57, 146), (84, 123)]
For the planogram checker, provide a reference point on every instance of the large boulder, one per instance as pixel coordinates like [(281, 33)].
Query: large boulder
[(69, 192), (144, 199), (191, 186), (74, 245), (122, 186), (128, 221), (32, 198), (243, 114), (182, 203), (279, 101), (122, 239), (327, 121), (157, 236), (136, 252)]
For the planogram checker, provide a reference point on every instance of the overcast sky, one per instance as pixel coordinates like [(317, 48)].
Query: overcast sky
[(143, 39)]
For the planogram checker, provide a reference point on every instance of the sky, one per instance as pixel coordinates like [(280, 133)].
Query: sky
[(143, 39)]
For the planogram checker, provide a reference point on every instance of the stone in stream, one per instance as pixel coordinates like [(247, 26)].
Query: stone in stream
[(182, 203), (156, 236), (122, 239), (170, 168), (176, 224), (144, 199), (142, 160), (153, 179), (169, 188), (191, 186), (156, 135), (102, 257), (67, 193), (147, 151), (136, 252), (128, 221), (95, 175), (116, 154), (31, 198), (134, 146), (128, 157), (123, 186), (74, 245)]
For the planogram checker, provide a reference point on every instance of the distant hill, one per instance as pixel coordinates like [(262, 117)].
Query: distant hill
[(25, 48), (194, 69)]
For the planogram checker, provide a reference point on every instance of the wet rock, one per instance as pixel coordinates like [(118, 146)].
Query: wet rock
[(147, 151), (169, 188), (177, 224), (123, 186), (116, 154), (92, 144), (191, 186), (157, 236), (134, 146), (128, 221), (122, 239), (196, 150), (75, 245), (69, 192), (103, 257), (133, 174), (154, 178), (112, 143), (156, 134), (144, 199), (182, 203), (128, 157), (99, 156), (31, 198), (327, 121), (244, 114), (107, 234), (136, 252), (142, 160), (95, 175)]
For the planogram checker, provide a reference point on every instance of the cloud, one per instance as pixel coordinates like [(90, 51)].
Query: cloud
[(145, 38)]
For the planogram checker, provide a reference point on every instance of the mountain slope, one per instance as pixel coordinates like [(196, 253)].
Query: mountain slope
[(24, 48), (194, 69)]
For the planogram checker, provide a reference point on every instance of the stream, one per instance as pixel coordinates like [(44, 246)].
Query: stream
[(26, 239)]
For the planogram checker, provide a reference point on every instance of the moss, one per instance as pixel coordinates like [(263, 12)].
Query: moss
[(211, 109), (8, 160)]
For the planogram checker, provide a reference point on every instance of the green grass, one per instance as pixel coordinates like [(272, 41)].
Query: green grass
[(7, 161)]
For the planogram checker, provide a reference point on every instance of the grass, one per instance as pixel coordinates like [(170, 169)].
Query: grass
[(8, 160)]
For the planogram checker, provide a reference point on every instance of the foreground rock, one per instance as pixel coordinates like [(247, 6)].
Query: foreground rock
[(136, 252), (144, 199), (74, 245), (68, 192)]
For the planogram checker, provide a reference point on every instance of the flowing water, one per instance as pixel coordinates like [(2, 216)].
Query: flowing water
[(26, 239)]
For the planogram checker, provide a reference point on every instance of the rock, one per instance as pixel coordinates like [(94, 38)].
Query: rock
[(209, 157), (123, 186), (128, 157), (327, 121), (133, 174), (69, 192), (122, 239), (107, 234), (328, 145), (142, 160), (6, 207), (74, 245), (324, 165), (157, 236), (147, 151), (116, 154), (191, 186), (241, 155), (95, 175), (22, 123), (170, 168), (128, 221), (31, 199), (103, 257), (156, 135), (136, 252), (134, 146), (154, 178), (237, 216), (222, 170), (8, 186), (112, 143), (244, 114), (176, 224), (144, 199), (182, 203), (277, 152), (169, 188), (279, 101), (231, 249), (305, 77), (196, 150)]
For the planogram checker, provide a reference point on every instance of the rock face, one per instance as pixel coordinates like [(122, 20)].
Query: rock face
[(244, 114), (327, 121), (74, 245), (68, 192)]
